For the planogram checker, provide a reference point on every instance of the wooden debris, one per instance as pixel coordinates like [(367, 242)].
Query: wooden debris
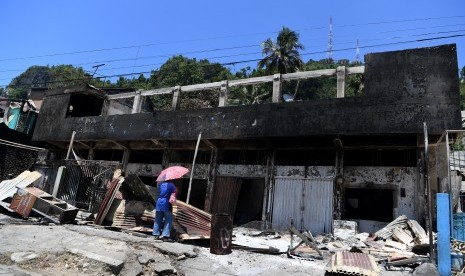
[(25, 179), (420, 235), (306, 238), (402, 236), (386, 232), (31, 198), (396, 245)]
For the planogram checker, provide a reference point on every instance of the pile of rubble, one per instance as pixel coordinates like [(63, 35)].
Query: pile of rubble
[(402, 243)]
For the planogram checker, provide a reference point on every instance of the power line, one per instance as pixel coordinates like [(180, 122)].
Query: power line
[(242, 54), (230, 48), (256, 60), (221, 37)]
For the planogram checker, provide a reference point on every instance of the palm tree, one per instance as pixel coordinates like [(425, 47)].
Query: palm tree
[(282, 56)]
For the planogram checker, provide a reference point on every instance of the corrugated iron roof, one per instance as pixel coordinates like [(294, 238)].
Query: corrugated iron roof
[(191, 222), (8, 187), (351, 263)]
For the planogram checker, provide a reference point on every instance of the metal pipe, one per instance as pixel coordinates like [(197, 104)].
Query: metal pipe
[(70, 144), (449, 187), (192, 169), (427, 185)]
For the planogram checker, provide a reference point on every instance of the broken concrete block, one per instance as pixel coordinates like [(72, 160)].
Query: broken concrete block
[(19, 257), (362, 236), (344, 229), (426, 269), (163, 268)]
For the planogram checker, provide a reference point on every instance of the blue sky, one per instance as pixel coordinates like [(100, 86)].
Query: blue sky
[(138, 36)]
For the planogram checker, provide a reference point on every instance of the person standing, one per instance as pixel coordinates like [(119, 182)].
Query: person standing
[(163, 211)]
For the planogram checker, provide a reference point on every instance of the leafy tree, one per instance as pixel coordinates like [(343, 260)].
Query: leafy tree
[(283, 55), (48, 77), (180, 70)]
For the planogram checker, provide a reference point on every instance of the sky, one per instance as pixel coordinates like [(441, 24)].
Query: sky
[(131, 37)]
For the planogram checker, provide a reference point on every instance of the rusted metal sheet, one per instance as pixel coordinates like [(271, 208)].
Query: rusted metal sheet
[(108, 200), (8, 187), (191, 222), (134, 189), (22, 203), (308, 202), (85, 182), (134, 215), (226, 194), (350, 263), (32, 198)]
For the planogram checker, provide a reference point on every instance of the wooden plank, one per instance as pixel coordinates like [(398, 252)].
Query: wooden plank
[(355, 70), (402, 236), (250, 81), (419, 232), (202, 86), (108, 200), (159, 91), (308, 74), (122, 96)]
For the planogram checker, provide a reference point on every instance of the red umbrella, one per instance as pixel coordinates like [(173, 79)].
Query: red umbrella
[(173, 172)]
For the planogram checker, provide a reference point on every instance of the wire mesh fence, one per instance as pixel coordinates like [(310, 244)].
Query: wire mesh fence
[(84, 183)]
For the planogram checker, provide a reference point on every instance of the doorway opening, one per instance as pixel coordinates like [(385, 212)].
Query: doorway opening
[(241, 198), (369, 204)]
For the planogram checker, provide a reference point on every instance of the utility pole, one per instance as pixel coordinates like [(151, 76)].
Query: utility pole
[(357, 54), (96, 68)]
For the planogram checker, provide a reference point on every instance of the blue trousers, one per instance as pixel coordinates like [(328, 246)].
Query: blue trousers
[(167, 216)]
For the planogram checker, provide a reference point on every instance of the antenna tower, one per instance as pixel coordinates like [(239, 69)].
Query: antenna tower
[(330, 44)]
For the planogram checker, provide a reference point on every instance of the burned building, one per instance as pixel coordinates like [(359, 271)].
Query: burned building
[(356, 158)]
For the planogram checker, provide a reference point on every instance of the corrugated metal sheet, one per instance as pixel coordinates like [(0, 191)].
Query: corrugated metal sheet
[(309, 202), (350, 263), (191, 222), (8, 187), (226, 194), (83, 185), (108, 200)]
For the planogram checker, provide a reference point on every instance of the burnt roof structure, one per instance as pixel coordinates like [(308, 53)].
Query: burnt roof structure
[(403, 89), (313, 161)]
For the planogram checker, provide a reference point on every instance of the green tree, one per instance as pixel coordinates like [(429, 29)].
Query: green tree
[(180, 70), (49, 77), (283, 55)]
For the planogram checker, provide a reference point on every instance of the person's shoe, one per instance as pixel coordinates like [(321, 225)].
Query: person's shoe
[(167, 239), (156, 237)]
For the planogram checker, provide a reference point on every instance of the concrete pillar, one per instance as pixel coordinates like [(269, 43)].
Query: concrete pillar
[(223, 94), (136, 106), (341, 81), (277, 88), (58, 180), (176, 98)]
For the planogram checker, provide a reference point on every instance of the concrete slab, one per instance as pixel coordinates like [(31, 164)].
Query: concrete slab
[(114, 264)]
